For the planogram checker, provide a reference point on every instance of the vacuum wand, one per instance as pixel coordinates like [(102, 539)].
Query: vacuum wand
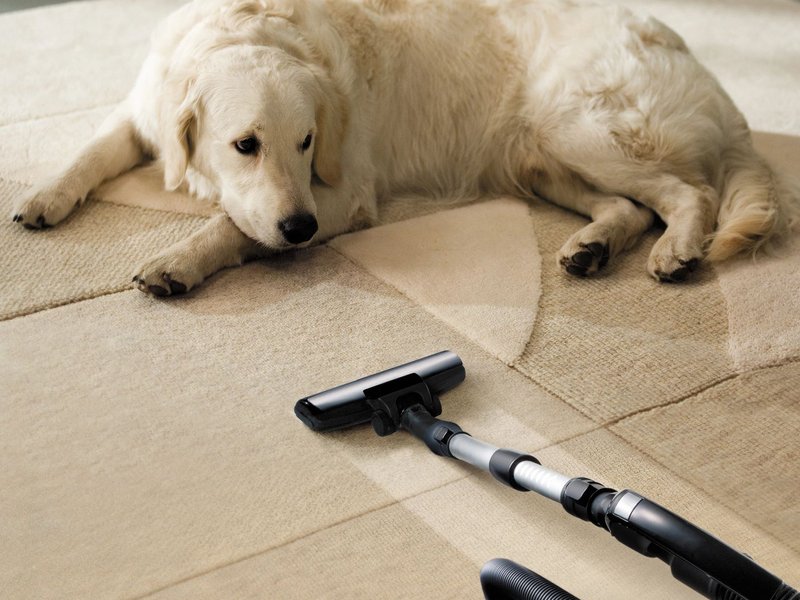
[(407, 397)]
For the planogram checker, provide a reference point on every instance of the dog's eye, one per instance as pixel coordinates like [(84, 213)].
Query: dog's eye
[(306, 143), (248, 145)]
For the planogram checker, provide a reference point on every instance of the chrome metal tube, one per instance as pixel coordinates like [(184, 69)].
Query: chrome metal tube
[(539, 479), (475, 452), (528, 474)]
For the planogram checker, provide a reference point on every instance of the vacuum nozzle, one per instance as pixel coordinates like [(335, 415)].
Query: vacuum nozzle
[(353, 403)]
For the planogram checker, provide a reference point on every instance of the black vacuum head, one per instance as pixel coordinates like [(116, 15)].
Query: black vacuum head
[(350, 404)]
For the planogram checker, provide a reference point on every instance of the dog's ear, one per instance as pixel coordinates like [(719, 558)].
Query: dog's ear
[(177, 143), (331, 126)]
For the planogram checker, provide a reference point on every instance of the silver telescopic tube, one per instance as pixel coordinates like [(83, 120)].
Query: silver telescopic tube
[(539, 479), (528, 474), (475, 452)]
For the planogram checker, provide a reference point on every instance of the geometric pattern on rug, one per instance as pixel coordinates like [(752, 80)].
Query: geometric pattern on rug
[(93, 252), (620, 342), (476, 267)]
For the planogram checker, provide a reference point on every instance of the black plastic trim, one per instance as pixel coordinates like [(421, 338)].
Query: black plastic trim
[(502, 465)]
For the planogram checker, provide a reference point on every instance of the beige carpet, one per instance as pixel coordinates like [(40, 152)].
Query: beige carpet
[(149, 448)]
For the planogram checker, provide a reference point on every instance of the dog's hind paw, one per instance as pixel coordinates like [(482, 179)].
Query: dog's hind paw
[(673, 260), (679, 273), (584, 260)]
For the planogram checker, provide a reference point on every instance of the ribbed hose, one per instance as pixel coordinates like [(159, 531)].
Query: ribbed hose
[(786, 593), (720, 592), (502, 579)]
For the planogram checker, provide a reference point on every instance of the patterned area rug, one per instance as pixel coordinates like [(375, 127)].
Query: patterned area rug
[(150, 449)]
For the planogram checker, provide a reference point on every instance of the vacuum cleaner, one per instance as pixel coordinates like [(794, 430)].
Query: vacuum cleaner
[(407, 397)]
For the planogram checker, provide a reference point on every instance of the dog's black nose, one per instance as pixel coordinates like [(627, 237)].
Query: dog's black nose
[(298, 228)]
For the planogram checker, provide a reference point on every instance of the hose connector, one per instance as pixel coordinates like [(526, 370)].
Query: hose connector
[(587, 500)]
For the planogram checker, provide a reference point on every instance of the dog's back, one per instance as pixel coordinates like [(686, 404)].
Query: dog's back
[(444, 83)]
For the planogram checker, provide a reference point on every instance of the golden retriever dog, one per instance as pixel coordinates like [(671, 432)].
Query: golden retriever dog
[(298, 116)]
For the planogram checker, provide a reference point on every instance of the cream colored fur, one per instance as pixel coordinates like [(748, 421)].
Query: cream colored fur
[(588, 106)]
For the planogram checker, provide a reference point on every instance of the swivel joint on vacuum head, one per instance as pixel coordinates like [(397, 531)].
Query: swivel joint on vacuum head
[(391, 399)]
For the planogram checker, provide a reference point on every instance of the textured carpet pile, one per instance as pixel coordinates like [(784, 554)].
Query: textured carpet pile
[(149, 448)]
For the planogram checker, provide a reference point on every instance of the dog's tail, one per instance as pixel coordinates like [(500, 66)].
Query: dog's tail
[(757, 204)]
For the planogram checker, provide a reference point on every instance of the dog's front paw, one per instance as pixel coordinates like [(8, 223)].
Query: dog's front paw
[(672, 259), (44, 207), (167, 274)]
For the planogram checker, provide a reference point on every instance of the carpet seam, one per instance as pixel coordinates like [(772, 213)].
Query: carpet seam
[(720, 502), (539, 299), (691, 394), (787, 360), (704, 388), (553, 393), (607, 427), (511, 365), (89, 295), (53, 305), (436, 317), (298, 538), (736, 375), (349, 519), (385, 506)]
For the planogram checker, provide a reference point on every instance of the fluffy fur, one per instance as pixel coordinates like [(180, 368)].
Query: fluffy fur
[(588, 106)]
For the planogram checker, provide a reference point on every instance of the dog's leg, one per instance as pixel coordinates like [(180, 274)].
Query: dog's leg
[(112, 151), (688, 210), (340, 211), (690, 213), (219, 244), (182, 266), (617, 224)]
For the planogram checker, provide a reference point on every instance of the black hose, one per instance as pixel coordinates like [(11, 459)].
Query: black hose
[(720, 592), (786, 593), (502, 579)]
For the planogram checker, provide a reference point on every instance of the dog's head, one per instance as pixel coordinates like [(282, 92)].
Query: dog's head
[(258, 121)]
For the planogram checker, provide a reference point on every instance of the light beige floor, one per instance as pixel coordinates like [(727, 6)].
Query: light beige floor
[(149, 447)]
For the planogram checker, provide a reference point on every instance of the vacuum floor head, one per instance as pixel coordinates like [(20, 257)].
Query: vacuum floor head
[(352, 403)]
